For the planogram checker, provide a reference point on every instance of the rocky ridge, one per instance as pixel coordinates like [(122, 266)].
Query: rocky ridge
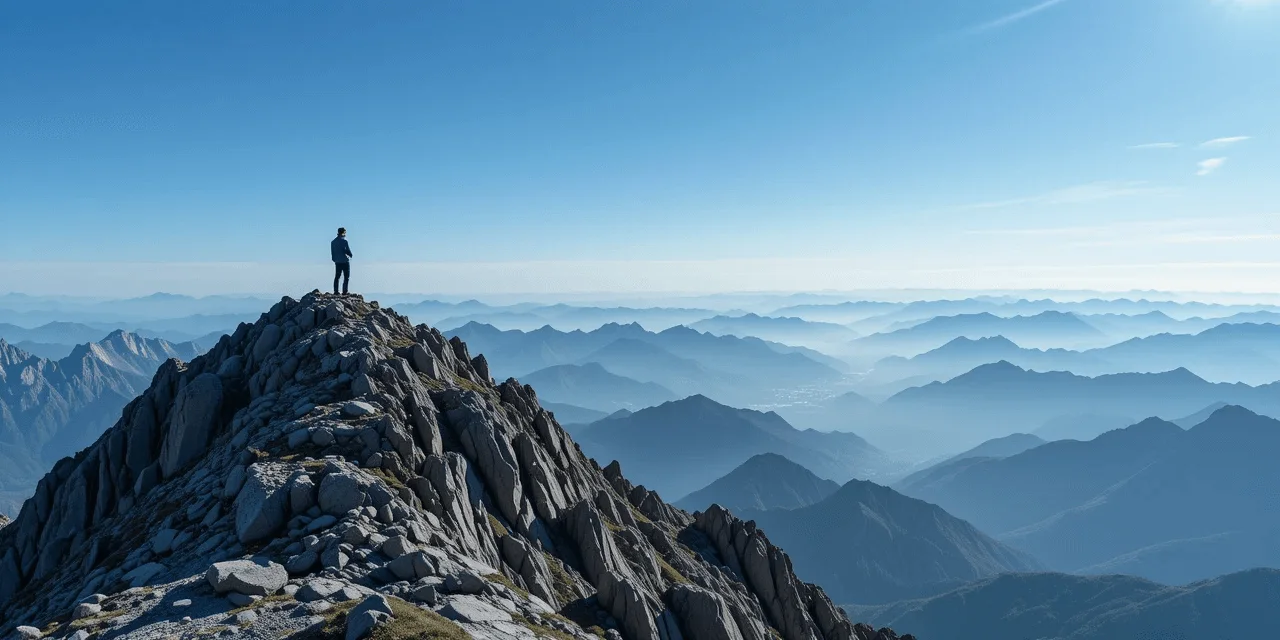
[(333, 471)]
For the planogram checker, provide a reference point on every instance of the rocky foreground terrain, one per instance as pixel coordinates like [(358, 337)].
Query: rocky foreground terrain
[(332, 471)]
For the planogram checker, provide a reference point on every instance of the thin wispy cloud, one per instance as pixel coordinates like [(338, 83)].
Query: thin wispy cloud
[(1091, 192), (1156, 145), (1040, 232), (1128, 228), (1191, 238), (1222, 142), (1136, 240), (1209, 166), (1249, 3), (1011, 18)]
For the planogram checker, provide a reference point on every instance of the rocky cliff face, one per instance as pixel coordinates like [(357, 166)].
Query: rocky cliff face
[(332, 453)]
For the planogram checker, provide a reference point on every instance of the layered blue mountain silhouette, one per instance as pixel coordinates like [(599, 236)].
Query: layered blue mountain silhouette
[(766, 481), (1152, 500), (1047, 329), (1066, 607), (590, 386), (784, 329), (869, 544), (727, 368), (997, 399), (682, 446), (1231, 352)]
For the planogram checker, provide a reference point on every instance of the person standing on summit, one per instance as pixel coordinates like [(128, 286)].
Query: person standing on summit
[(341, 252)]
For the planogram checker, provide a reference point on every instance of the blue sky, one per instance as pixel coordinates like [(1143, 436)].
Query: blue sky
[(480, 147)]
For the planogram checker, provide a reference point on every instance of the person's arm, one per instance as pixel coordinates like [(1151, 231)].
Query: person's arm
[(347, 247)]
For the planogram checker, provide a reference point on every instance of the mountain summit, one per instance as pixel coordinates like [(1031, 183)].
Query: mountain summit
[(331, 469)]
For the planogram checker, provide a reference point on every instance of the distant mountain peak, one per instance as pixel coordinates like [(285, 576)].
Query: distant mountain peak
[(965, 342), (764, 481), (1232, 416), (1002, 367)]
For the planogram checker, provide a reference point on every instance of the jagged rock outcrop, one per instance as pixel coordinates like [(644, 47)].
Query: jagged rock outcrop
[(334, 444)]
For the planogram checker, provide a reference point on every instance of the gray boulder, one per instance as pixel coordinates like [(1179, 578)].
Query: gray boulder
[(412, 566), (28, 633), (473, 609), (235, 481), (85, 610), (302, 563), (371, 612), (249, 577), (334, 557), (318, 589), (358, 409), (267, 341), (302, 493), (397, 546), (340, 492), (195, 415), (163, 541), (262, 507), (361, 625), (465, 582)]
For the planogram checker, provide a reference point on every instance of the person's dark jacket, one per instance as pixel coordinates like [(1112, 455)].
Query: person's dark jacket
[(340, 249)]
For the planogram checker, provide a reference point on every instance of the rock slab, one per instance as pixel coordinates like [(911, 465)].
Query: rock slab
[(247, 577)]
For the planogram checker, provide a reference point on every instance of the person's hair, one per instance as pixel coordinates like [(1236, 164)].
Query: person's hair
[(342, 231)]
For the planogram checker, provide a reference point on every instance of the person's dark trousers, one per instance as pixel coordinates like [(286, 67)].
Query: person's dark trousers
[(341, 270)]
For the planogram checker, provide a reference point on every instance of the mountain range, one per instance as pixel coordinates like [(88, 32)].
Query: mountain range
[(32, 311), (55, 340), (531, 316), (590, 386), (53, 408), (1241, 352), (1045, 329), (997, 399), (679, 447), (641, 360), (731, 369), (1152, 500), (784, 329), (1055, 606)]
